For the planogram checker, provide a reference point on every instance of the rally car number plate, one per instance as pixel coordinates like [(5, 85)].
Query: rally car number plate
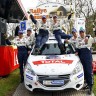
[(53, 82)]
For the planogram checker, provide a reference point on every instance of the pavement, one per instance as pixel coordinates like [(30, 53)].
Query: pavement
[(22, 91)]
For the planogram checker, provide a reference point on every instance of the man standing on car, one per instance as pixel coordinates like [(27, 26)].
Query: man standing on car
[(56, 26), (84, 51), (43, 28)]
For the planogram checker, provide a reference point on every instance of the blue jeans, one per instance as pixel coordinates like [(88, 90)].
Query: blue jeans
[(60, 35), (41, 40)]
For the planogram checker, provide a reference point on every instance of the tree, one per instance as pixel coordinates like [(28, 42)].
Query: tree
[(85, 8)]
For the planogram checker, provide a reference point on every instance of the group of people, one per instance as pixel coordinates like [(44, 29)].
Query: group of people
[(83, 45), (24, 46), (81, 42), (43, 27)]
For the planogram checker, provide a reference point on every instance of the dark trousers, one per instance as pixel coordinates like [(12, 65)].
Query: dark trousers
[(86, 60), (41, 38), (22, 58), (60, 35)]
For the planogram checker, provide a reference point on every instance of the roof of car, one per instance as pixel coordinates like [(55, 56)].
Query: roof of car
[(52, 40)]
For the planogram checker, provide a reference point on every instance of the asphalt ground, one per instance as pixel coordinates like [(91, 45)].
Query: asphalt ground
[(22, 91)]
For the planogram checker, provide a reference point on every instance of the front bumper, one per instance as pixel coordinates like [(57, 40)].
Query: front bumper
[(70, 81)]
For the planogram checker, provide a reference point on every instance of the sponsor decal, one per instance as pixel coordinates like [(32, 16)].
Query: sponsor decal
[(52, 61), (53, 57), (53, 82), (57, 82), (38, 11), (79, 76), (29, 77)]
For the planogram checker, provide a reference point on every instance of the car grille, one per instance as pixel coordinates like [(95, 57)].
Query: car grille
[(42, 78)]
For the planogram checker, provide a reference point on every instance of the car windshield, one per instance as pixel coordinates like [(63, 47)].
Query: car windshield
[(53, 49)]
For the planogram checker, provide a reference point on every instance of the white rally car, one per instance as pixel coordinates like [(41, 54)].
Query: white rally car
[(53, 69)]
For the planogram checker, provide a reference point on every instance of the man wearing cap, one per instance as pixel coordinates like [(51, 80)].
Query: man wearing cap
[(84, 51), (73, 39), (21, 42), (57, 31), (43, 33), (31, 38)]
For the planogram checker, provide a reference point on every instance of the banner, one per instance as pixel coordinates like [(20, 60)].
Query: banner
[(80, 22), (23, 25), (8, 60), (50, 9)]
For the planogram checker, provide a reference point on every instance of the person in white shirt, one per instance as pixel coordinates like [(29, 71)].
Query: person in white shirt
[(43, 31), (56, 26), (21, 42), (84, 52), (31, 38), (73, 39)]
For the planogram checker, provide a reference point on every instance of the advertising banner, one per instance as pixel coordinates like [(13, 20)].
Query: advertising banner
[(50, 9), (8, 60), (80, 22), (23, 25)]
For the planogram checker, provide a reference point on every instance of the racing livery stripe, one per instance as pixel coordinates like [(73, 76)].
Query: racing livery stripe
[(52, 61)]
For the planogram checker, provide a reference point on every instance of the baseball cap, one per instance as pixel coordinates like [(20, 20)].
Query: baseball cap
[(54, 16), (20, 31), (29, 29), (74, 30), (81, 29), (43, 17)]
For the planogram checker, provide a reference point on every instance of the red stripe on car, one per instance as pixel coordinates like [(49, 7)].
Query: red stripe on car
[(52, 61)]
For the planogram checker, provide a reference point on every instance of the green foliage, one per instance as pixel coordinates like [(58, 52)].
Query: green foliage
[(94, 87)]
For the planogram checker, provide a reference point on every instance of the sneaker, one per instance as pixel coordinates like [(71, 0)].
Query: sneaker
[(37, 51), (90, 92), (85, 86)]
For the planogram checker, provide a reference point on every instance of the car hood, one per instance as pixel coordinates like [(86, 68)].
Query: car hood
[(53, 64)]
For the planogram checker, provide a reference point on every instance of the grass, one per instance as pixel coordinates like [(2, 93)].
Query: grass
[(9, 84), (94, 87)]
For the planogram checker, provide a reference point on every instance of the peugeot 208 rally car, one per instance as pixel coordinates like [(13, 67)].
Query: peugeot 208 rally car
[(53, 69)]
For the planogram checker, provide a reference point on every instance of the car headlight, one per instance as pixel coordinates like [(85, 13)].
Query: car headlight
[(29, 70), (78, 68)]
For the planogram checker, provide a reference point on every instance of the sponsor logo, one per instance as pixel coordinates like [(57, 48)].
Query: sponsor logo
[(57, 82), (29, 77), (38, 10), (79, 76), (52, 61), (53, 57)]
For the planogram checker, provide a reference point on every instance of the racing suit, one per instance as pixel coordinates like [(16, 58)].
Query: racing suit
[(57, 31), (84, 52), (30, 39), (43, 33), (73, 40), (21, 44)]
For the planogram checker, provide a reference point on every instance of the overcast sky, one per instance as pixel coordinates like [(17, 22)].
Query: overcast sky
[(29, 3)]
